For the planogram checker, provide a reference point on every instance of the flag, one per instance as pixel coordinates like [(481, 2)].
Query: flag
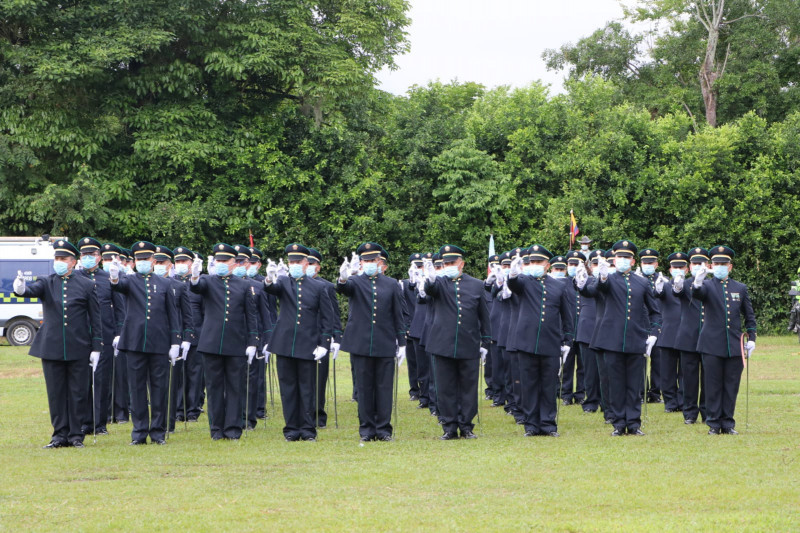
[(491, 251), (573, 228), (251, 239)]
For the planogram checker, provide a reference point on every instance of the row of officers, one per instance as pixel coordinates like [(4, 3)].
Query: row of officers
[(162, 339)]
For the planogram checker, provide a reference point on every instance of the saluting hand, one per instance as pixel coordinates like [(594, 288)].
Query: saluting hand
[(19, 284), (355, 264), (282, 270), (344, 270), (430, 271), (271, 272), (700, 276), (516, 267), (113, 271), (581, 276), (603, 267), (660, 281)]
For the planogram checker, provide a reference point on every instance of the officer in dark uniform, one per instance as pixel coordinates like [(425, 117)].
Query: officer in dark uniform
[(495, 357), (509, 325), (628, 327), (543, 336), (300, 338), (692, 319), (415, 368), (649, 269), (374, 336), (113, 315), (726, 303), (418, 319), (228, 339), (151, 338), (671, 306), (585, 315), (572, 373), (312, 271), (190, 388), (267, 307), (460, 337), (119, 411), (69, 342), (426, 328), (163, 267)]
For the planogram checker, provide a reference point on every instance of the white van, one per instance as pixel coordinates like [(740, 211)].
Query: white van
[(20, 318)]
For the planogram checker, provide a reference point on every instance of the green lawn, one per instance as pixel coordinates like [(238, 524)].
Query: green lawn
[(676, 478)]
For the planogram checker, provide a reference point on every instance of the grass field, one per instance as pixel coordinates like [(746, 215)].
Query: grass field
[(677, 478)]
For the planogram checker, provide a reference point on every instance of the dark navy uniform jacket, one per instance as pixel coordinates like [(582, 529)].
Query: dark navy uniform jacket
[(630, 313), (184, 310), (496, 310), (546, 319), (692, 317), (671, 306), (409, 302), (305, 320), (230, 324), (508, 320), (420, 317), (586, 313), (725, 304), (197, 308), (376, 326), (71, 327), (461, 320), (112, 304), (152, 323), (264, 308), (336, 314)]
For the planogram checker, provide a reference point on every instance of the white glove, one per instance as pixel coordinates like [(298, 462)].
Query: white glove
[(516, 267), (411, 271), (401, 355), (701, 275), (581, 276), (196, 269), (113, 271), (319, 353), (483, 351), (115, 344), (430, 272), (564, 353), (750, 348), (271, 273), (334, 350), (250, 352), (174, 353), (505, 294), (185, 347), (94, 358), (282, 270), (651, 341), (638, 272), (660, 281), (344, 271), (19, 283), (265, 352), (677, 282), (211, 264), (603, 268), (355, 264)]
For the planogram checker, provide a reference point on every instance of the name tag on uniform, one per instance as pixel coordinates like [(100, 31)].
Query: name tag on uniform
[(735, 296)]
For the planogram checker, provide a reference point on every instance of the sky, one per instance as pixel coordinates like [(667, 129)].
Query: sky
[(492, 42)]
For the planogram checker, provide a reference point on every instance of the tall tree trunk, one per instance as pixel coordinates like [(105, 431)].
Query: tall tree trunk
[(709, 75)]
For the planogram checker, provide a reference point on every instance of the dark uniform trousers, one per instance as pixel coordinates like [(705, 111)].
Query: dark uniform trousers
[(194, 397), (573, 387), (102, 388), (457, 409), (323, 367), (605, 387), (625, 403), (721, 379), (423, 370), (152, 369), (539, 375), (413, 370), (591, 377), (256, 400), (297, 396), (498, 365), (691, 377), (122, 398), (66, 397), (225, 406), (654, 384), (670, 388), (433, 389), (374, 377), (514, 384)]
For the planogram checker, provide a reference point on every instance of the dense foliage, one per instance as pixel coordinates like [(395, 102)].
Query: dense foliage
[(190, 122)]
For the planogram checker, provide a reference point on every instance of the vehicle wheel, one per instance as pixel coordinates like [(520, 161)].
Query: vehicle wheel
[(20, 333)]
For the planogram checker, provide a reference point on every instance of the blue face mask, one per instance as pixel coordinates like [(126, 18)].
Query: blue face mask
[(181, 269), (559, 275), (239, 271), (648, 270), (60, 267), (160, 270), (623, 264), (537, 271), (451, 272), (144, 267), (221, 269), (106, 266), (675, 271), (296, 270), (252, 270), (440, 273), (88, 261), (720, 271), (526, 270), (571, 271), (311, 271), (696, 268), (370, 268)]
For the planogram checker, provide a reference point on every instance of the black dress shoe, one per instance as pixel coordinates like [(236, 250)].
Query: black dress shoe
[(497, 404), (122, 420), (55, 444), (322, 426), (310, 439), (714, 431), (77, 444), (137, 443), (101, 431), (552, 434), (519, 421), (671, 410), (192, 419), (385, 438), (414, 398), (729, 431), (250, 428), (468, 434), (448, 436), (566, 402), (618, 433), (291, 438), (606, 421), (637, 432), (690, 421), (530, 434), (179, 418), (160, 442), (366, 439), (261, 417), (422, 405), (589, 410), (216, 438)]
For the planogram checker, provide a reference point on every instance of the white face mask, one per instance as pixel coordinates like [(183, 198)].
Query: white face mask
[(585, 247)]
